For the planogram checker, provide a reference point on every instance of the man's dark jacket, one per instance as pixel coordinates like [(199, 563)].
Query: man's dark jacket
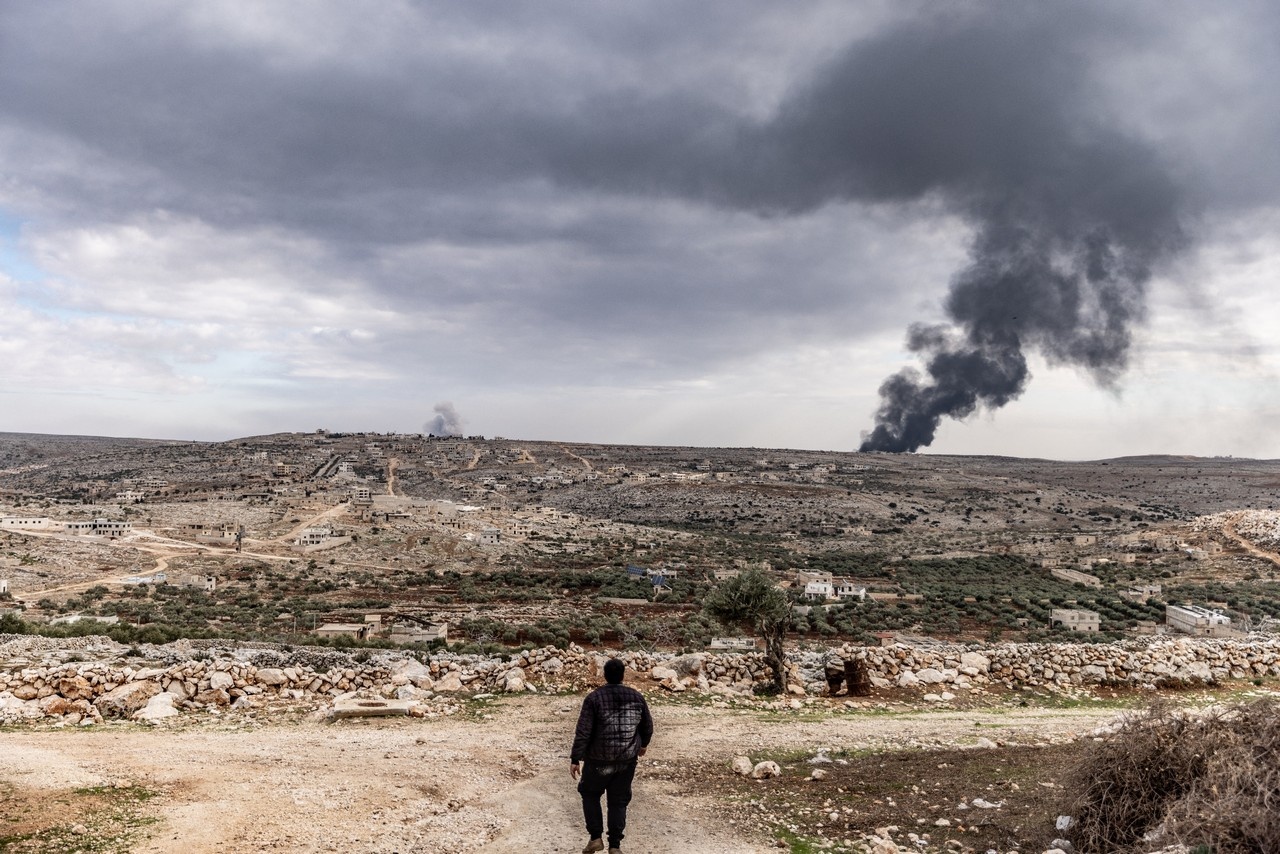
[(613, 726)]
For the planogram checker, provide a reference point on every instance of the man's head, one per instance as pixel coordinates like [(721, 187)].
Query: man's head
[(613, 670)]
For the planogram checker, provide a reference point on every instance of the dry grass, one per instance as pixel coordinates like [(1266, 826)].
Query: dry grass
[(1205, 780)]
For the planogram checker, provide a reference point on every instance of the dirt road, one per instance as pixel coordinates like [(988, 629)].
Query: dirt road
[(1229, 529), (495, 782)]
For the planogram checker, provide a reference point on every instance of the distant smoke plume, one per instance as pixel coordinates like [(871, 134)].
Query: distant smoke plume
[(447, 422), (992, 110), (995, 116)]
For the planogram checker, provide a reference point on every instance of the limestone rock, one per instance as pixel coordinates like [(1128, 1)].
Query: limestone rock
[(513, 681), (688, 665), (742, 766), (765, 770), (220, 680), (450, 682), (272, 676), (75, 688), (930, 676), (157, 708), (123, 701), (213, 697), (55, 705)]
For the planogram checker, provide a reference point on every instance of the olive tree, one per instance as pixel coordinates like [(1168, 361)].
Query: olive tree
[(751, 598)]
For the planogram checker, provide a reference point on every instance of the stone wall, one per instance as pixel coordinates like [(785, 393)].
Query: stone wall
[(182, 677)]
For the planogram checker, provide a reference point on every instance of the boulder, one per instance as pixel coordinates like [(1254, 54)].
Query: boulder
[(688, 665), (907, 679), (56, 705), (26, 692), (213, 697), (272, 676), (220, 680), (123, 701), (75, 688), (742, 766), (975, 660), (1195, 671), (930, 676), (513, 681), (449, 683), (157, 708), (551, 665), (663, 674), (765, 770)]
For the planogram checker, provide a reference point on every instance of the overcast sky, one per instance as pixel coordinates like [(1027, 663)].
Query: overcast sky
[(663, 223)]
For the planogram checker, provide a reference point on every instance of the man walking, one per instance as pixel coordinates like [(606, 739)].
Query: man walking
[(614, 729)]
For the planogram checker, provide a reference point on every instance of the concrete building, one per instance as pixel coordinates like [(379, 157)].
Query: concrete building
[(417, 633), (207, 583), (846, 589), (357, 631), (1141, 592), (1075, 619), (99, 527), (111, 528), (739, 644), (1195, 620), (1074, 576), (25, 523), (318, 539), (490, 537), (819, 589)]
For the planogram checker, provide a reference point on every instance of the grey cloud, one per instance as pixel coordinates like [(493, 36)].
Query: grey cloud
[(585, 166)]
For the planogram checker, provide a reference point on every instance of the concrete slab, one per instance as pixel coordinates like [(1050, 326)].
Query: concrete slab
[(368, 707)]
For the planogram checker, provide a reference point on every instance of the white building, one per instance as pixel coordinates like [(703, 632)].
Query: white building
[(846, 589), (111, 528), (819, 589), (25, 523), (1195, 620)]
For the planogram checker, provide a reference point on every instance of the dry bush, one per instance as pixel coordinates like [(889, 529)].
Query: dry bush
[(1203, 780)]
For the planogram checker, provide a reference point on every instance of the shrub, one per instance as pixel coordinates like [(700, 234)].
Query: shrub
[(1209, 780)]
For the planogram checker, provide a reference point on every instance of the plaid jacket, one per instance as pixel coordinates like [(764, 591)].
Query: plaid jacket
[(613, 725)]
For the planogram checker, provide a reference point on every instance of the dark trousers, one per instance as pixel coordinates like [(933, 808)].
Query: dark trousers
[(613, 779)]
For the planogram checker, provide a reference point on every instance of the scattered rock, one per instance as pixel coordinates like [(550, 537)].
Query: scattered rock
[(766, 770)]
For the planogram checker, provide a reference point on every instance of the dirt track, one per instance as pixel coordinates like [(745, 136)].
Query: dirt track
[(497, 783)]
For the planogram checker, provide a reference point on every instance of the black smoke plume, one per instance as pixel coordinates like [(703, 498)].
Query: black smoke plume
[(994, 110), (446, 422), (996, 116)]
